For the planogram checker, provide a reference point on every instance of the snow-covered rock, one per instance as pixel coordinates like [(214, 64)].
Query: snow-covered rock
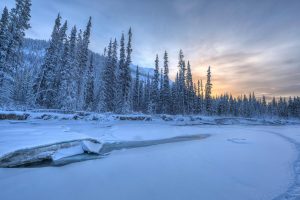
[(48, 153), (91, 147), (13, 116), (67, 152), (133, 117)]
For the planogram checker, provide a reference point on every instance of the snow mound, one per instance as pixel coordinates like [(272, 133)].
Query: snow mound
[(67, 152), (47, 153), (91, 147)]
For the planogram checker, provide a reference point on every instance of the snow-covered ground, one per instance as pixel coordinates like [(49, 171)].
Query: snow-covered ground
[(235, 162)]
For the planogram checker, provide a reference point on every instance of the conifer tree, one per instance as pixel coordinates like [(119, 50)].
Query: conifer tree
[(12, 33), (147, 94), (190, 89), (43, 86), (154, 88), (182, 84), (83, 54), (61, 61), (89, 93), (141, 96), (136, 93), (124, 75), (264, 105), (120, 74), (114, 72), (66, 89), (108, 75), (208, 88), (166, 86), (4, 40), (127, 74), (160, 92)]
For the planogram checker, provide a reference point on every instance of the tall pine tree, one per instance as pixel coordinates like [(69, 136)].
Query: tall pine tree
[(155, 89), (124, 75), (136, 98), (82, 57), (89, 93), (190, 89), (12, 33), (182, 84), (166, 86), (4, 40), (208, 90), (43, 86), (108, 75)]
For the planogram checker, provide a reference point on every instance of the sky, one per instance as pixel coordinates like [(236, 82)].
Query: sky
[(251, 45)]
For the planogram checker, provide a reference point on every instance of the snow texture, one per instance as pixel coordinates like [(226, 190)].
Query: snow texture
[(235, 162)]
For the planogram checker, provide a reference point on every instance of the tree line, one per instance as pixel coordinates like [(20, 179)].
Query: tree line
[(159, 95), (67, 77)]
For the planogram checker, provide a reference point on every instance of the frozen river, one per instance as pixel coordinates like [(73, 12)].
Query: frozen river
[(234, 162)]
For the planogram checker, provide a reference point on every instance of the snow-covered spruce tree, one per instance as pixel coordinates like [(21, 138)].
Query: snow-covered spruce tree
[(232, 106), (4, 40), (13, 27), (82, 59), (127, 74), (161, 96), (243, 106), (198, 97), (62, 40), (294, 107), (124, 76), (114, 72), (208, 97), (154, 88), (222, 105), (136, 98), (147, 95), (202, 96), (263, 106), (273, 107), (166, 86), (109, 80), (141, 96), (108, 90), (198, 107), (14, 57), (47, 86), (72, 66), (175, 96), (182, 97), (119, 75), (250, 106), (190, 90), (67, 92), (4, 37), (89, 93), (78, 71), (65, 98), (43, 87), (282, 108)]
